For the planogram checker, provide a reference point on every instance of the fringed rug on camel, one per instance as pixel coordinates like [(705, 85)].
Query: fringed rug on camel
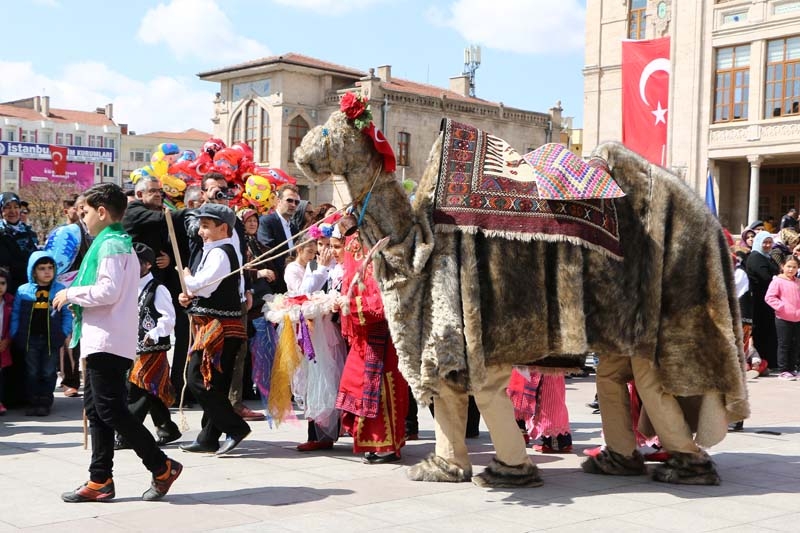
[(485, 185)]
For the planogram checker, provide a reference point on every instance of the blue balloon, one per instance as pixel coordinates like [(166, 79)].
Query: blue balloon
[(63, 243)]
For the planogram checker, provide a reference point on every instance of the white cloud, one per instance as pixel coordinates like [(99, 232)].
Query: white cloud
[(162, 103), (329, 7), (523, 26), (198, 28)]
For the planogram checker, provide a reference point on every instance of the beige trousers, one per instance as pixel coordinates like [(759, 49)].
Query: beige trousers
[(451, 421), (663, 410)]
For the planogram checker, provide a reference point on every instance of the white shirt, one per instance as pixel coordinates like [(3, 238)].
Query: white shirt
[(213, 265), (163, 304), (287, 230), (303, 280)]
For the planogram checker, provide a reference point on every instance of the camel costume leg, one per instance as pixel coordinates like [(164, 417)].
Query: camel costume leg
[(620, 456), (509, 468), (689, 464)]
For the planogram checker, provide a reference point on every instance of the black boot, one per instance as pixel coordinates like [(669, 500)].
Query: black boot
[(167, 433), (120, 443), (33, 406)]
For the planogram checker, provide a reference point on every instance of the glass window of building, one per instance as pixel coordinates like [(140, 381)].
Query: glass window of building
[(250, 124), (236, 130), (637, 23), (78, 140), (732, 83), (59, 138), (297, 130), (28, 136), (264, 157), (403, 142), (10, 134), (782, 94)]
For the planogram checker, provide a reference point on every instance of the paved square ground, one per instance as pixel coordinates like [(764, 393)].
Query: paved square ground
[(266, 485)]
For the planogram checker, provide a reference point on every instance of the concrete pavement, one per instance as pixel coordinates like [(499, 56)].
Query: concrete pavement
[(266, 485)]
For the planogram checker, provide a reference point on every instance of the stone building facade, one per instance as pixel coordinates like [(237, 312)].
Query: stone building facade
[(28, 127), (271, 103), (734, 105)]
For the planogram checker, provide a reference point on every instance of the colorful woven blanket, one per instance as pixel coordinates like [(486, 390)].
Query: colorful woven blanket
[(485, 186)]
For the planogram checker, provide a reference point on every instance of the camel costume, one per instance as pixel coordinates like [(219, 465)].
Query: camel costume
[(464, 302)]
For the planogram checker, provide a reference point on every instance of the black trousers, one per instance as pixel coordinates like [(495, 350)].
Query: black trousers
[(788, 334), (71, 368), (141, 402), (218, 414), (179, 353), (105, 399)]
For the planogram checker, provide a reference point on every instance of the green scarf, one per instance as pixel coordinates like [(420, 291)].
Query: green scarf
[(111, 241)]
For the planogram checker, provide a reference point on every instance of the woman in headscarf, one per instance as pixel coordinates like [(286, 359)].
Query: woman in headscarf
[(745, 243), (784, 244), (761, 268)]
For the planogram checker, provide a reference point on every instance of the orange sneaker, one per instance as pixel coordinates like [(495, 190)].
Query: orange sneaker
[(91, 492), (161, 484)]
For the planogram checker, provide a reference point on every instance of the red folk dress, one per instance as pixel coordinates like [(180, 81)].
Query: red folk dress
[(373, 395)]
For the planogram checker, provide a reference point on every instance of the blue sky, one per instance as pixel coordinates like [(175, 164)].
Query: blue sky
[(143, 56)]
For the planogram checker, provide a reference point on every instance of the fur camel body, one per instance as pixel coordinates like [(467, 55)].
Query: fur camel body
[(460, 301)]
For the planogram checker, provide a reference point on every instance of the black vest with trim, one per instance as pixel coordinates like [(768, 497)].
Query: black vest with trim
[(148, 319), (225, 301)]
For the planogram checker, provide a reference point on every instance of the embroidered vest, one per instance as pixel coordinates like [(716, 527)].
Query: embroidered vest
[(225, 301), (148, 318)]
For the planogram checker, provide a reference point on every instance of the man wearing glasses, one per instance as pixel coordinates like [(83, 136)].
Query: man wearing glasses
[(277, 227)]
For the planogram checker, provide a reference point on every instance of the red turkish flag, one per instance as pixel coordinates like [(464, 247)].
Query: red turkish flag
[(645, 95), (58, 154)]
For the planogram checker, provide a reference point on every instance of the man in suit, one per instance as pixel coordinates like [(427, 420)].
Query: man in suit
[(277, 227)]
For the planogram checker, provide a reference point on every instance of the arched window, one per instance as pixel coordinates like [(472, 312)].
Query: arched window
[(264, 136), (236, 131), (250, 124), (297, 130)]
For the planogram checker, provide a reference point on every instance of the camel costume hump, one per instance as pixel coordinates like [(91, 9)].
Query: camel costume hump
[(459, 299)]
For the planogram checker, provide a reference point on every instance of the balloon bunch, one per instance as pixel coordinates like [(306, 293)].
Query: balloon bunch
[(254, 186)]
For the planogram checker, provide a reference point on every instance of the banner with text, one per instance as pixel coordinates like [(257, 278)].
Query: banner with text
[(36, 171), (42, 151)]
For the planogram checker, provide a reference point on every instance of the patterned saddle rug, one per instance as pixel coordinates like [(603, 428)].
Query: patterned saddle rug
[(485, 186)]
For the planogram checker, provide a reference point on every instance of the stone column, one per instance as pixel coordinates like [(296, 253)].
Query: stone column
[(755, 176)]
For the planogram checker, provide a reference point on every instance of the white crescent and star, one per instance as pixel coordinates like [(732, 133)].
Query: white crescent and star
[(57, 157), (660, 64)]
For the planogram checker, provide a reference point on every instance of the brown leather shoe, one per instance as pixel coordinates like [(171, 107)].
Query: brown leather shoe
[(70, 392)]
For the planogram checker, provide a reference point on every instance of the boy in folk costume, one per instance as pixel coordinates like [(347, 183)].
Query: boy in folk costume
[(372, 392), (103, 300), (216, 310), (150, 389)]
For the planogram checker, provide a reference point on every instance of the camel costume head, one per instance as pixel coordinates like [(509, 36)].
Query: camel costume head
[(463, 300)]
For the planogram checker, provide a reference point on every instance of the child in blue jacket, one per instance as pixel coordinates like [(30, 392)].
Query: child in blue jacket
[(39, 331)]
